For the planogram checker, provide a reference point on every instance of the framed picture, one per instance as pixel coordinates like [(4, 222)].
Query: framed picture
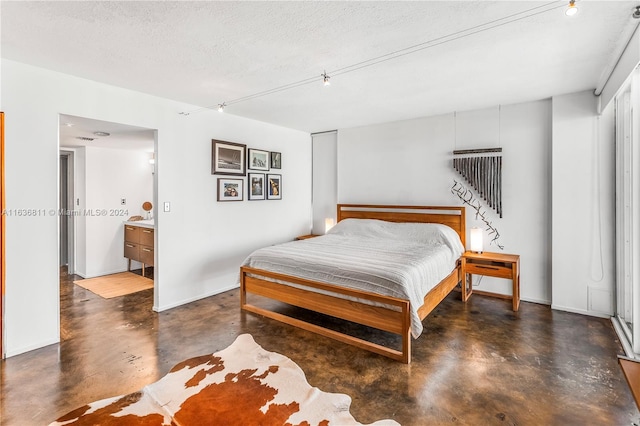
[(276, 160), (256, 186), (258, 160), (230, 189), (274, 187), (228, 158)]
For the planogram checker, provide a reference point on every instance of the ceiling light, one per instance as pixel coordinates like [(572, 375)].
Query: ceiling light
[(636, 14), (101, 133), (84, 138), (68, 124), (325, 79), (572, 9), (221, 107)]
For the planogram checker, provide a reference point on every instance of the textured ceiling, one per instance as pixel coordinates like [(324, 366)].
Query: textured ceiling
[(121, 136), (473, 54)]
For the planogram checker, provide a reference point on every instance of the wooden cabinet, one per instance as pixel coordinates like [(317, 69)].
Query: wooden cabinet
[(139, 245), (492, 265)]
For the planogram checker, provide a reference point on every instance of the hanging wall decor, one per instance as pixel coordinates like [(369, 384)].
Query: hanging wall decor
[(483, 172), (274, 187), (466, 196), (228, 158), (256, 186)]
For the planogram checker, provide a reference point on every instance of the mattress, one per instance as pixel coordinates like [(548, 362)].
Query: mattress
[(403, 260)]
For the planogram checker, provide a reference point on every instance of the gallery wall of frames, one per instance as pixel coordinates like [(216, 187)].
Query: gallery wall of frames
[(249, 171)]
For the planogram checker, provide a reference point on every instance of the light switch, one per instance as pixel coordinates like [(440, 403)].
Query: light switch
[(167, 206)]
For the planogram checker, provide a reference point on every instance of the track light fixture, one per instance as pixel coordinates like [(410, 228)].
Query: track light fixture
[(325, 79), (551, 7), (636, 14)]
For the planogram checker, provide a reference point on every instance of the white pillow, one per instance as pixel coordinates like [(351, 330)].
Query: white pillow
[(422, 233)]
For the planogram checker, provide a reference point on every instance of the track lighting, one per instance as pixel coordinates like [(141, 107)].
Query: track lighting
[(325, 79), (636, 14), (551, 7)]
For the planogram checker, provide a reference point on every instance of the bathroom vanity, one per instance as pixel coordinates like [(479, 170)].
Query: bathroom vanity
[(139, 242)]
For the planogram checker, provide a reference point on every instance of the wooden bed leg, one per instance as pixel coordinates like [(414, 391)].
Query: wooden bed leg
[(406, 348), (406, 335), (243, 290)]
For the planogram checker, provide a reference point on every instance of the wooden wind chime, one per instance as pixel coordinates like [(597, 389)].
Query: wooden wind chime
[(483, 172)]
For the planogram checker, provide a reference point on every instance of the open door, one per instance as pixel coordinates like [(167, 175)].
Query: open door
[(2, 253)]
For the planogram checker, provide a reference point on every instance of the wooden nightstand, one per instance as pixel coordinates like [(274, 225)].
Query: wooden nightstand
[(492, 265), (304, 237)]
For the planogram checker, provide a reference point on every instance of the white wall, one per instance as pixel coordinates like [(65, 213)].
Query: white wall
[(583, 205), (325, 175), (410, 162), (200, 243), (110, 174), (562, 227)]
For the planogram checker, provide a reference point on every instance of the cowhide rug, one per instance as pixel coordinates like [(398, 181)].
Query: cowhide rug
[(240, 385)]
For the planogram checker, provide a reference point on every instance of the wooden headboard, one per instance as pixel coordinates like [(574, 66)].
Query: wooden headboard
[(453, 217)]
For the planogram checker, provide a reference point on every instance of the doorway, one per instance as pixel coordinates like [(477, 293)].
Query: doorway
[(106, 178)]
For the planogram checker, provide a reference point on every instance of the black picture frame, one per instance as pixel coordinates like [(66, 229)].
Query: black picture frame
[(255, 187), (276, 160), (230, 189), (258, 159), (274, 187), (228, 158)]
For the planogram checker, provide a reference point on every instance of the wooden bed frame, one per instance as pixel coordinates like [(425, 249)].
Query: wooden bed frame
[(394, 319)]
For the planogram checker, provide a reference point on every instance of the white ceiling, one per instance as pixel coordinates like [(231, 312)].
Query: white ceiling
[(206, 53), (121, 136)]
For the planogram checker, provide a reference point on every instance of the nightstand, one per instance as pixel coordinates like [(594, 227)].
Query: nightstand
[(305, 237), (491, 265)]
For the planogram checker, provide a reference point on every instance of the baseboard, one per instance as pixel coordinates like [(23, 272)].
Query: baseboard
[(581, 311), (538, 301), (508, 296), (193, 299), (492, 294), (622, 337), (32, 347)]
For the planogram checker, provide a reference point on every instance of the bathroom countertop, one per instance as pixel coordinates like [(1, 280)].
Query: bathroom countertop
[(147, 223)]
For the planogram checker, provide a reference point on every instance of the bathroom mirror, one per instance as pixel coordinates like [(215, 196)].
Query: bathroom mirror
[(147, 206)]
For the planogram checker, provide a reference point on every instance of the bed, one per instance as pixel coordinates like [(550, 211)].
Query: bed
[(286, 274)]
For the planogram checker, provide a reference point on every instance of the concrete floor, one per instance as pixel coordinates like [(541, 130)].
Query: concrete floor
[(475, 364)]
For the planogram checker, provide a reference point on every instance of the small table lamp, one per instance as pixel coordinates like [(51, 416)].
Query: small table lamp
[(476, 240), (328, 224)]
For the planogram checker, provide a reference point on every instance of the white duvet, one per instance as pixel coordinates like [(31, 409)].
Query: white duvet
[(403, 260)]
